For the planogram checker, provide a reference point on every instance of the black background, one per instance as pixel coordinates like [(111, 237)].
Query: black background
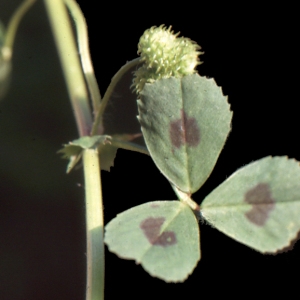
[(249, 50)]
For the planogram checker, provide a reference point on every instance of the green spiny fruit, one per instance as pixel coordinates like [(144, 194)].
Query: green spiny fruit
[(163, 55)]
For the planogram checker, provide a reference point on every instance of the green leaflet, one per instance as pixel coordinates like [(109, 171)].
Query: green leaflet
[(259, 204), (107, 148), (163, 236), (185, 123), (73, 151), (91, 142)]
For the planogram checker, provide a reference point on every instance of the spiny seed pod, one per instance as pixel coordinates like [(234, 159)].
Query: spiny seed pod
[(164, 55)]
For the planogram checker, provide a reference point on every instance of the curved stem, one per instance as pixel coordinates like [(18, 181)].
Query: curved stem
[(13, 26), (114, 81), (83, 45)]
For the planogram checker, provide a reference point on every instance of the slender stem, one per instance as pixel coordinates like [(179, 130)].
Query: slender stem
[(114, 81), (83, 45), (67, 50), (94, 224), (186, 198), (129, 146), (13, 26)]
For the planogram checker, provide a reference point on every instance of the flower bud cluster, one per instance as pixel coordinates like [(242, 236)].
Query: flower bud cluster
[(163, 55)]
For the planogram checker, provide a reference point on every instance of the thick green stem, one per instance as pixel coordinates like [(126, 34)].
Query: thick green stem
[(83, 45), (71, 66), (76, 85), (94, 225)]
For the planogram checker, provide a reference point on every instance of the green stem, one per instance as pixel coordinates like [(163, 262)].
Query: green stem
[(186, 198), (67, 50), (13, 26), (83, 45), (94, 225), (109, 91), (76, 85), (129, 146)]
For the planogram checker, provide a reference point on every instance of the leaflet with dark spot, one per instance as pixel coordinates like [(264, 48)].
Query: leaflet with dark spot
[(184, 131), (262, 204), (151, 228)]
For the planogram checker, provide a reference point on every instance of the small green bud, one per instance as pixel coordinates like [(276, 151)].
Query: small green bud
[(163, 55)]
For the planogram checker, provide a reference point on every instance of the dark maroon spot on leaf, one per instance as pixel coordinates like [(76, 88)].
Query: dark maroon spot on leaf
[(154, 205), (262, 204), (184, 131), (151, 228)]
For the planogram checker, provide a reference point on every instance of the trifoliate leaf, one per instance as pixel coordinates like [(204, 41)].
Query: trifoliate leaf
[(185, 123), (163, 236), (259, 204)]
